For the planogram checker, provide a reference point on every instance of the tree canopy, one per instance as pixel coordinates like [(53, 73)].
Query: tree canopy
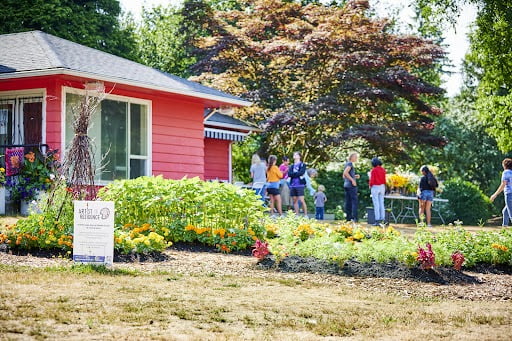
[(94, 23), (489, 61), (322, 77)]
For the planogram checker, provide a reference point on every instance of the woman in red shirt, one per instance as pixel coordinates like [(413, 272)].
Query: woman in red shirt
[(378, 190)]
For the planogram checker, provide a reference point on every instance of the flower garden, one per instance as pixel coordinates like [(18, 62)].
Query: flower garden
[(152, 213), (453, 247)]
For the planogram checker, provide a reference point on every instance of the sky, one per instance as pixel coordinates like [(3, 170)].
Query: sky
[(456, 40)]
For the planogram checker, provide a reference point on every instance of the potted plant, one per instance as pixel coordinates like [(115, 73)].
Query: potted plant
[(36, 176)]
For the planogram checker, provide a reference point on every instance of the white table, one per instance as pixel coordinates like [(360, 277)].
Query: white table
[(408, 208)]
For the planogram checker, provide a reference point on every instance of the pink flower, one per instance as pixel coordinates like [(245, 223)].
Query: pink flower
[(426, 257), (458, 259), (260, 249)]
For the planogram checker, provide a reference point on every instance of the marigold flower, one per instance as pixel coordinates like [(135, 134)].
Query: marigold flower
[(31, 157), (499, 247)]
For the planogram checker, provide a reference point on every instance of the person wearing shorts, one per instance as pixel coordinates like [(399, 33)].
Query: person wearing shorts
[(427, 190), (274, 176), (297, 183)]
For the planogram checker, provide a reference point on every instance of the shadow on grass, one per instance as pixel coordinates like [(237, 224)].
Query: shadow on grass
[(77, 268)]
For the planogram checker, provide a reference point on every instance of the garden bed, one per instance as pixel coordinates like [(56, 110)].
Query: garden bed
[(353, 268), (58, 253)]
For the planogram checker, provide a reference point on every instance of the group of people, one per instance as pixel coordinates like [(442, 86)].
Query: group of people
[(285, 184), (290, 181), (427, 187)]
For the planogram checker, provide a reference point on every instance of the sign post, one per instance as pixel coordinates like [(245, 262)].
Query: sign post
[(93, 237)]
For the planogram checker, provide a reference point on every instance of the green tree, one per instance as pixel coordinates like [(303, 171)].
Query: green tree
[(94, 23), (470, 152), (489, 60), (322, 77), (161, 44)]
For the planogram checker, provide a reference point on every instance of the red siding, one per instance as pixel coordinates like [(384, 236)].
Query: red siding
[(216, 159), (53, 102), (177, 122)]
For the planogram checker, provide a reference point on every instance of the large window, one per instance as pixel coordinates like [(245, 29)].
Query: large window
[(120, 135)]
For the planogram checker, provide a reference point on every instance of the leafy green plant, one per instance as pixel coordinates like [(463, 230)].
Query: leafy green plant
[(340, 242), (212, 213), (37, 174), (466, 202)]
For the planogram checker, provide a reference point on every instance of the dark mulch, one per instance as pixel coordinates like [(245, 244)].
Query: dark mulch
[(498, 269), (352, 268), (119, 258), (150, 257)]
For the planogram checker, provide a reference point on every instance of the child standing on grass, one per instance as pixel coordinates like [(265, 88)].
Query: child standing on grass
[(320, 200)]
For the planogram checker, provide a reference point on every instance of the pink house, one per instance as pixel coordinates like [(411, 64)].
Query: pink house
[(150, 122)]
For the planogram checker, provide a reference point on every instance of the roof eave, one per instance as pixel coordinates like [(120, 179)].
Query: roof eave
[(64, 71), (231, 126)]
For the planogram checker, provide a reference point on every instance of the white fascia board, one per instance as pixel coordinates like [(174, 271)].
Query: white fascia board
[(63, 71), (231, 126)]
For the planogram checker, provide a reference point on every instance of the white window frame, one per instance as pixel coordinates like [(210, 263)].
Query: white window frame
[(128, 100), (16, 95)]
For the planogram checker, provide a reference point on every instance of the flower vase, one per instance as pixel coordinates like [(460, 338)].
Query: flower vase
[(24, 207), (28, 206), (2, 200)]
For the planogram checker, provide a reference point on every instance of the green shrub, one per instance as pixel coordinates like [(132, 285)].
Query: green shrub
[(333, 182), (53, 229), (467, 202), (190, 210), (151, 213)]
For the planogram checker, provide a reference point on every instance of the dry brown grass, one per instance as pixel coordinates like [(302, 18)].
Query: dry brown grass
[(84, 303)]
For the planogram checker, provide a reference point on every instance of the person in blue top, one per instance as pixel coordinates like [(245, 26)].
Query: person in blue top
[(296, 173), (506, 187)]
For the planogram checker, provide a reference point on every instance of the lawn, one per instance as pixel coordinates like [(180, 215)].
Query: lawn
[(212, 296)]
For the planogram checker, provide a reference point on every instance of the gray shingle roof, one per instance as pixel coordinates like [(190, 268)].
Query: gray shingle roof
[(39, 51), (224, 119)]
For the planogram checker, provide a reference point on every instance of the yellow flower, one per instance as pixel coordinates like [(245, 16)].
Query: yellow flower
[(201, 230), (396, 180), (221, 232), (391, 230), (499, 247), (358, 235), (189, 228), (2, 169)]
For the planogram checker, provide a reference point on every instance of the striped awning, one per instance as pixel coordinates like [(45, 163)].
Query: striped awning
[(221, 134)]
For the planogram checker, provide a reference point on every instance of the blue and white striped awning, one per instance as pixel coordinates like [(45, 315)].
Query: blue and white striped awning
[(224, 134)]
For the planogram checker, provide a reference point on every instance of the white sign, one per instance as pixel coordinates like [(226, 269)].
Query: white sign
[(93, 237)]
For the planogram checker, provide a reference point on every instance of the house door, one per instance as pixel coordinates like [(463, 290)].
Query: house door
[(21, 121)]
